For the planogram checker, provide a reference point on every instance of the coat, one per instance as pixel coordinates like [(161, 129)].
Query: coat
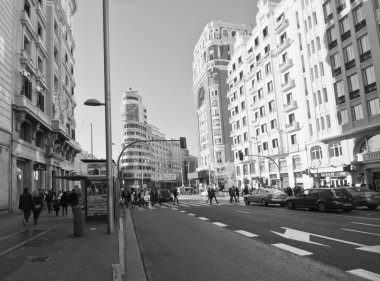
[(25, 202)]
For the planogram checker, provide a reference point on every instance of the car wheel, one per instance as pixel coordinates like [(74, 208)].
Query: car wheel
[(246, 201), (264, 203), (322, 207), (290, 205)]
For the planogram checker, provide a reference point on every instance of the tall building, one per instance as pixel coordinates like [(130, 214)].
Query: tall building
[(37, 100), (210, 60), (299, 115), (150, 164)]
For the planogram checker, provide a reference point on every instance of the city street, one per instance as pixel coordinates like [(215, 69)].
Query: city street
[(224, 241)]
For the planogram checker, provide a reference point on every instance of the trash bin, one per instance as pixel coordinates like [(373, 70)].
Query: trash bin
[(78, 220)]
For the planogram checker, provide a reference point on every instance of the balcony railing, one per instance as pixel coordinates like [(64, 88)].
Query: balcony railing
[(285, 65), (293, 126), (350, 64), (329, 17), (369, 156), (360, 25), (371, 87), (365, 56), (354, 94), (281, 24), (340, 8), (341, 99), (287, 85), (22, 101), (290, 105), (346, 35), (337, 71), (333, 44)]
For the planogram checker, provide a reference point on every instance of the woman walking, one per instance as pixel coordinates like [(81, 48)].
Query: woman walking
[(37, 205)]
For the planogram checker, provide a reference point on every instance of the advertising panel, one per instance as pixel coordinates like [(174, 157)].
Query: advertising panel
[(96, 198)]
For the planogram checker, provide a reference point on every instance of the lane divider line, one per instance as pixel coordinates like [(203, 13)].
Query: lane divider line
[(291, 249), (242, 212), (220, 224), (365, 274), (191, 214), (361, 223), (369, 233), (22, 243), (246, 233), (182, 211), (203, 218), (13, 234)]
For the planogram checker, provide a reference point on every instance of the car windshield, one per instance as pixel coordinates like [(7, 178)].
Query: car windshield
[(339, 192)]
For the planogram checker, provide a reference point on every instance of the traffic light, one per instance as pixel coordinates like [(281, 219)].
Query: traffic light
[(241, 156), (182, 143)]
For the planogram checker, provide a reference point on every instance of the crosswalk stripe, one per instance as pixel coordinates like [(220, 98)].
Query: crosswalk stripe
[(291, 249), (182, 211), (246, 233), (220, 224), (365, 274), (203, 218), (190, 214)]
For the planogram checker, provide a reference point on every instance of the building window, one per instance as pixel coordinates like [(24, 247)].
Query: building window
[(345, 28), (268, 68), (270, 86), (335, 64), (364, 48), (260, 93), (369, 79), (258, 76), (339, 92), (349, 56), (40, 101), (238, 170), (357, 112), (26, 89), (244, 121), (291, 118), (274, 143), (335, 149), (311, 129), (342, 117), (373, 107), (265, 146), (293, 139), (262, 111), (273, 124), (359, 19), (316, 153), (257, 42), (325, 95), (353, 86), (331, 37), (26, 132), (297, 164), (328, 121), (264, 128), (271, 106)]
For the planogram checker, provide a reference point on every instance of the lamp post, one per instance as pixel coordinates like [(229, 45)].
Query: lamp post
[(92, 152)]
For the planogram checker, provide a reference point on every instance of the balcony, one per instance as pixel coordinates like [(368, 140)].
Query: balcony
[(59, 127), (341, 100), (41, 45), (346, 35), (290, 106), (369, 156), (256, 122), (340, 8), (350, 64), (365, 56), (329, 17), (281, 25), (27, 62), (282, 46), (254, 106), (371, 87), (288, 85), (285, 65), (252, 90), (22, 103), (359, 26), (337, 71), (292, 126), (25, 20), (333, 44), (40, 12), (354, 94)]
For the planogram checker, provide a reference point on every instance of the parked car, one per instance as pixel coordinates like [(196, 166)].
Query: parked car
[(363, 196), (265, 196), (165, 195), (322, 199)]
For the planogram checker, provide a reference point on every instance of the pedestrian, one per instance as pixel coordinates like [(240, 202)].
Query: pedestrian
[(175, 194), (230, 192), (73, 199), (25, 204), (289, 191), (213, 196), (56, 207), (157, 196), (48, 199), (245, 190), (237, 194), (37, 205), (64, 201), (208, 195), (234, 193)]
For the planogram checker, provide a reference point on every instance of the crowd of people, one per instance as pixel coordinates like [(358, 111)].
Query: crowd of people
[(138, 197), (42, 200)]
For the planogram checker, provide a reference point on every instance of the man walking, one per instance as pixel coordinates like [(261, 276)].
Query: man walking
[(213, 196), (237, 193), (26, 204), (175, 194)]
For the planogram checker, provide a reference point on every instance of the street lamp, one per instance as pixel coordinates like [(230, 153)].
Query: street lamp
[(107, 104)]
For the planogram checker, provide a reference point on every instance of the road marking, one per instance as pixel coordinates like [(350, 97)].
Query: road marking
[(321, 236), (190, 214), (298, 236), (365, 274), (22, 243), (175, 209), (352, 217), (5, 237), (182, 211), (372, 249), (376, 225), (292, 249), (246, 233), (361, 231), (220, 224), (203, 218), (164, 207), (241, 212)]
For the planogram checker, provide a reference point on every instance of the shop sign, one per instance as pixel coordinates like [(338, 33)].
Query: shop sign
[(333, 174), (39, 166), (97, 169)]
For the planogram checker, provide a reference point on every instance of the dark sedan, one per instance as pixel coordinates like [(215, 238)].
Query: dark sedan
[(322, 199), (265, 196), (363, 196), (165, 195)]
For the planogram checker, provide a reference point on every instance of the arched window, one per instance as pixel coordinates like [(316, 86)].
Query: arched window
[(225, 33), (214, 103), (316, 152), (40, 140), (335, 149), (201, 97), (372, 144), (26, 132), (233, 33)]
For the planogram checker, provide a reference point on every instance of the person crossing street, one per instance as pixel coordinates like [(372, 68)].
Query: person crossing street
[(175, 194)]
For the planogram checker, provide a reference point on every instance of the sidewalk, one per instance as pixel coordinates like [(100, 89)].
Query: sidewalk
[(56, 254)]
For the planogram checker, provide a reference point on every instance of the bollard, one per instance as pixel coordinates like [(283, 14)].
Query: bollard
[(78, 221)]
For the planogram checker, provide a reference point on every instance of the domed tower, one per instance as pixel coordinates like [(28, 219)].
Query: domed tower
[(135, 162)]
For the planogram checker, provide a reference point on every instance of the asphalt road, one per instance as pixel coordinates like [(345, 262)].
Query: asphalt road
[(195, 241)]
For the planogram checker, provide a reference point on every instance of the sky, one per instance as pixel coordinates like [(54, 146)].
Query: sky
[(151, 51)]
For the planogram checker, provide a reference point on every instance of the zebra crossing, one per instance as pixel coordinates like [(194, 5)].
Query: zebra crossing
[(187, 204)]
